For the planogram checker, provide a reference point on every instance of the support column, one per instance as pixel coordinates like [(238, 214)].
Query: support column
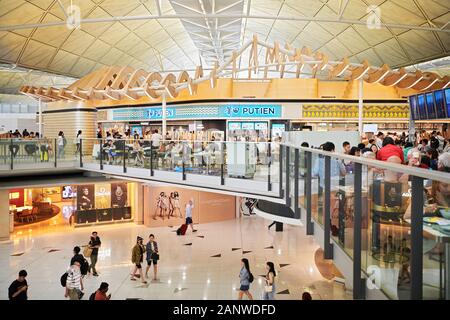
[(164, 116), (327, 246), (416, 238), (296, 191), (40, 119), (139, 204), (360, 107), (358, 284), (308, 194), (4, 214)]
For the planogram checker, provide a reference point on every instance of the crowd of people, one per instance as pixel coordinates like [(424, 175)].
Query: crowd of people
[(429, 151)]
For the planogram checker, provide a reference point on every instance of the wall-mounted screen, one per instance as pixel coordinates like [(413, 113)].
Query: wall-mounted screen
[(248, 125), (261, 126), (137, 129), (447, 98), (234, 125), (413, 107), (68, 192), (440, 104), (430, 106), (422, 107)]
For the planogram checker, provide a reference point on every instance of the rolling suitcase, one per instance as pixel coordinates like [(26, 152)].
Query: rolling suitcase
[(181, 231)]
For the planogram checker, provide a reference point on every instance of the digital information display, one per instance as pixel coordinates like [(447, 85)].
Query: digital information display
[(430, 106), (440, 104), (422, 107)]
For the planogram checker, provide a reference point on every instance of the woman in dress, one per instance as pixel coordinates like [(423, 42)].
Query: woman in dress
[(159, 205), (171, 205), (166, 205), (176, 203)]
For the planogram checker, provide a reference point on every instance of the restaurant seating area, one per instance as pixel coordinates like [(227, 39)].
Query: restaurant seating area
[(39, 211)]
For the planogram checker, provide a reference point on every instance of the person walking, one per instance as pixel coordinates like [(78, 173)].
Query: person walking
[(61, 144), (18, 289), (77, 256), (245, 278), (189, 207), (100, 294), (78, 142), (94, 244), (137, 255), (152, 256), (74, 282), (269, 289)]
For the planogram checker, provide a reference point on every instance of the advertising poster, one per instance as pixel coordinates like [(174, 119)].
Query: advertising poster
[(119, 195), (102, 195), (166, 206), (85, 197)]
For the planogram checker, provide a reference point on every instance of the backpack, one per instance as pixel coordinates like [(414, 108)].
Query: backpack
[(92, 296), (64, 141), (84, 268), (64, 279), (250, 277)]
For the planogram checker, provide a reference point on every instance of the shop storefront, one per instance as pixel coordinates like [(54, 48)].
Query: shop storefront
[(241, 122), (67, 206)]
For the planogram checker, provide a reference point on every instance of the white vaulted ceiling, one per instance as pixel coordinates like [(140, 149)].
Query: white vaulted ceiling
[(170, 35)]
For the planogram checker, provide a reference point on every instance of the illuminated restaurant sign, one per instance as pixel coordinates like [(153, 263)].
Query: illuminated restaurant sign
[(227, 111)]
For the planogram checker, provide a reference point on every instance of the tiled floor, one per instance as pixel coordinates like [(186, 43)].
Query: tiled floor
[(186, 271)]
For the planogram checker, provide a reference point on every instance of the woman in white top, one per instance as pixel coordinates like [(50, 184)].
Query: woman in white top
[(61, 143), (78, 141)]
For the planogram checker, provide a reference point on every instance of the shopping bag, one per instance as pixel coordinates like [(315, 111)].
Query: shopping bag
[(87, 251)]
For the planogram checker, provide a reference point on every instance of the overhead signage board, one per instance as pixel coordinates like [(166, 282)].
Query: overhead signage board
[(226, 111)]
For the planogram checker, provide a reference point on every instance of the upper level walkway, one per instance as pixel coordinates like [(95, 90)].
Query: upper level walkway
[(243, 167)]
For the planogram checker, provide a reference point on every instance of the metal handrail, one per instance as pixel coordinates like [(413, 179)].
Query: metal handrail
[(418, 172)]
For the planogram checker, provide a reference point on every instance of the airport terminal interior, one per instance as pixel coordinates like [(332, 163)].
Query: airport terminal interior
[(224, 150)]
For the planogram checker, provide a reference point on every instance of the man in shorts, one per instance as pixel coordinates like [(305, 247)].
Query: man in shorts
[(189, 222)]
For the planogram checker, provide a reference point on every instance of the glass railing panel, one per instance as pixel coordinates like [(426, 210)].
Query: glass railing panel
[(318, 171), (274, 156), (302, 179), (262, 161), (241, 160), (342, 203), (388, 232), (136, 155), (90, 149), (436, 240), (366, 223)]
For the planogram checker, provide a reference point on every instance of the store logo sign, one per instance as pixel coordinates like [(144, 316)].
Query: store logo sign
[(156, 113), (252, 111)]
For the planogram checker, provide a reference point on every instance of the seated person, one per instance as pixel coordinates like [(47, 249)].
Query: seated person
[(138, 152), (110, 150)]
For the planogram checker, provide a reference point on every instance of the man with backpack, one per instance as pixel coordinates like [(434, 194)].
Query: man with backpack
[(84, 264), (74, 282)]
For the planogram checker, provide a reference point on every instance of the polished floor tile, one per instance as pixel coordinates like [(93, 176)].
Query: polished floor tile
[(206, 269)]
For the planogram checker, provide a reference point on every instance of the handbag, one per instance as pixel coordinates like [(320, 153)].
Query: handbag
[(87, 251), (268, 288), (154, 256)]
